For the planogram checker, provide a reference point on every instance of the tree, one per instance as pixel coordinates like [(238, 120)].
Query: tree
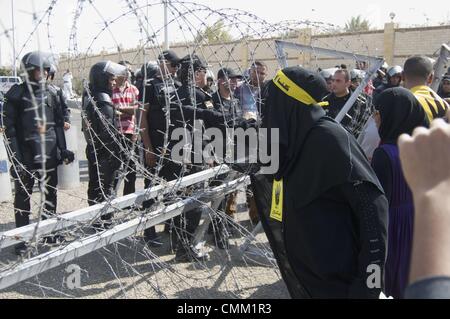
[(5, 72), (357, 24), (217, 33)]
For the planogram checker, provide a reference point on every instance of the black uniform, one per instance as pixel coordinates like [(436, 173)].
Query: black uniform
[(356, 118), (182, 109), (231, 110), (186, 103), (156, 92), (155, 96), (180, 113), (1, 110), (62, 100), (26, 104), (102, 149), (22, 131), (229, 107), (99, 127), (378, 81), (328, 218)]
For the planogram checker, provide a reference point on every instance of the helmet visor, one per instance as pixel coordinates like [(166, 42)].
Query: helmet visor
[(115, 69), (40, 60), (395, 70)]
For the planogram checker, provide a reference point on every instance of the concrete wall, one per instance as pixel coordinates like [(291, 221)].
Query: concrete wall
[(425, 41), (395, 44)]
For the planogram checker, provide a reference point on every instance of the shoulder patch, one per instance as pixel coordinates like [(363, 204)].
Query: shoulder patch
[(209, 104)]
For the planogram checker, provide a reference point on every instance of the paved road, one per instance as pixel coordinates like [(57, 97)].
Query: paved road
[(76, 123)]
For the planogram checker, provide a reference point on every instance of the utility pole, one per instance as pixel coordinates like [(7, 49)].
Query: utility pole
[(13, 39), (166, 27)]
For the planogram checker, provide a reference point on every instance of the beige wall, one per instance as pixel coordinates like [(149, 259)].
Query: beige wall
[(394, 44)]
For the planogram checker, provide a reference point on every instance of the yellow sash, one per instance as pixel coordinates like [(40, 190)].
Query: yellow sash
[(291, 89)]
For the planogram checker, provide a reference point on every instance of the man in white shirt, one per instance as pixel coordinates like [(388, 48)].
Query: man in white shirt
[(67, 78)]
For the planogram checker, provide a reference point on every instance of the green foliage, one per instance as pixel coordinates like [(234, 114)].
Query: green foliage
[(217, 33), (357, 24), (5, 72)]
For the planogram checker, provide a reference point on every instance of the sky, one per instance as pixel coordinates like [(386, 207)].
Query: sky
[(54, 33)]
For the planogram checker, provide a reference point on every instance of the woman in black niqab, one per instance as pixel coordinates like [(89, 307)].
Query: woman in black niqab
[(329, 233)]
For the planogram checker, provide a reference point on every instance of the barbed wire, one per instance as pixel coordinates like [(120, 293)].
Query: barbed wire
[(130, 265)]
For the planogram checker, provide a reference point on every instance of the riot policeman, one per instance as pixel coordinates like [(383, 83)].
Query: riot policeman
[(33, 116), (394, 79), (60, 95), (159, 83), (99, 123)]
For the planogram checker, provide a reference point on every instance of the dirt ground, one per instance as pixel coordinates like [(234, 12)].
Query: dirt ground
[(130, 270)]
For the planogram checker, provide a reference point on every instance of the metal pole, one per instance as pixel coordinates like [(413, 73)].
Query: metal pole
[(78, 248), (375, 62), (439, 68), (14, 39), (166, 27), (322, 51), (14, 236), (281, 55), (351, 101)]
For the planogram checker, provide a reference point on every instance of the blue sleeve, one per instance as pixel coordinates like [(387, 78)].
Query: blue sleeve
[(431, 288)]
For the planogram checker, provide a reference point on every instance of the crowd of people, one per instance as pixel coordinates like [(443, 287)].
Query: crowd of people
[(341, 202)]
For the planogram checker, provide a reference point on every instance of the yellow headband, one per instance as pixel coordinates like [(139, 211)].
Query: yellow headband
[(293, 90)]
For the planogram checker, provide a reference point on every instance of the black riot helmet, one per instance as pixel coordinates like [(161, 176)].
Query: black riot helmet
[(138, 74), (149, 70), (394, 71), (100, 74), (36, 60), (52, 71)]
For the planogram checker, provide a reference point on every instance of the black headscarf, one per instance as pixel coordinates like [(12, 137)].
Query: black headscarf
[(293, 118), (316, 153), (400, 113)]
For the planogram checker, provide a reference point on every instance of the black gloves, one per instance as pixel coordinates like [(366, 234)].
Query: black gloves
[(17, 172), (67, 157), (243, 123)]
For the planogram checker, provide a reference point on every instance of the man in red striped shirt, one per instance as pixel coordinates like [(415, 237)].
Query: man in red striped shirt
[(125, 100)]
